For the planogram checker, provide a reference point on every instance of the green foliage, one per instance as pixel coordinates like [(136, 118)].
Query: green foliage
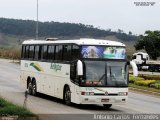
[(150, 42), (132, 79), (56, 29), (156, 85), (3, 103), (7, 108), (144, 82), (144, 88), (150, 77)]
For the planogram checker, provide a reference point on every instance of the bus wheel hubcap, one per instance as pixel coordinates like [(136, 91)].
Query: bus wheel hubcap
[(34, 89)]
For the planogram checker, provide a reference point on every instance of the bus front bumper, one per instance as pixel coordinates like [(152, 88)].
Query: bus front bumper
[(103, 99)]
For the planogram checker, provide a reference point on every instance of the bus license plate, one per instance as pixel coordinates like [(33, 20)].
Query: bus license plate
[(104, 100)]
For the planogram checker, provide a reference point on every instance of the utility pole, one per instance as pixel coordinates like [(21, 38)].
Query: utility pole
[(37, 23)]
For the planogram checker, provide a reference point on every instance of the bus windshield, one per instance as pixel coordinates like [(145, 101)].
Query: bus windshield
[(106, 73)]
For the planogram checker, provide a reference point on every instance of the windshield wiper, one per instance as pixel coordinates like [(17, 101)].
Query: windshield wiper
[(104, 73), (111, 75), (101, 77)]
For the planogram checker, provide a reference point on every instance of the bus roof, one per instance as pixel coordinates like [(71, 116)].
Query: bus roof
[(82, 41)]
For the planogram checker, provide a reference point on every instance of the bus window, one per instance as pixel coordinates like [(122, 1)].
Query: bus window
[(58, 52), (44, 52), (26, 51), (37, 51), (51, 52), (67, 53), (31, 52), (23, 52), (75, 52)]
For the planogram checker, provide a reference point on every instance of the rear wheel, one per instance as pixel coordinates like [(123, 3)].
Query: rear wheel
[(151, 69), (34, 88), (139, 68), (67, 96), (107, 106)]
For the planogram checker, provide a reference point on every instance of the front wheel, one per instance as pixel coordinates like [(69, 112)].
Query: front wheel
[(107, 106), (67, 96), (30, 88)]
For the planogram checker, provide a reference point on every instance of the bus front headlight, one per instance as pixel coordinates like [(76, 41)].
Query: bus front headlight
[(123, 93)]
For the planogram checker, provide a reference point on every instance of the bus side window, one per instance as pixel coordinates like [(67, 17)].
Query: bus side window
[(75, 52), (36, 53), (26, 52), (58, 52), (44, 52), (31, 52), (23, 52), (51, 52), (67, 53)]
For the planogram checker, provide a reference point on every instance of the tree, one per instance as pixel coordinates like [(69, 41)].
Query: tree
[(120, 31), (150, 41), (130, 33)]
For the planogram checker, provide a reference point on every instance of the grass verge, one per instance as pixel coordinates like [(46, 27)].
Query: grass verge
[(9, 109), (144, 88)]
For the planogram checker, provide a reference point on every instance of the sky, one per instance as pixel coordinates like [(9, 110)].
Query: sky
[(104, 14)]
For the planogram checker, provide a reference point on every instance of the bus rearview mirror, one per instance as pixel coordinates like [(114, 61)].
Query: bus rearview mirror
[(79, 68), (134, 67)]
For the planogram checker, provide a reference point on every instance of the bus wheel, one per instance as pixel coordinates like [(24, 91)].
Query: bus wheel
[(34, 88), (107, 106), (67, 96), (30, 88)]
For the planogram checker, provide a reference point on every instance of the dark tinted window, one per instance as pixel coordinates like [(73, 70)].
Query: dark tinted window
[(26, 51), (75, 52), (23, 52), (58, 52), (31, 52), (37, 52), (44, 52), (67, 53), (51, 52)]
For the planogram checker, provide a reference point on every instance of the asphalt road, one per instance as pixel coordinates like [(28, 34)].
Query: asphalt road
[(47, 107)]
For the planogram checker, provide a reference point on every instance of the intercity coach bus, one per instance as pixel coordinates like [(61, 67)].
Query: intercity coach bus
[(83, 71)]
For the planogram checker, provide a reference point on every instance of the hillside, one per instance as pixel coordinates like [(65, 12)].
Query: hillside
[(26, 29)]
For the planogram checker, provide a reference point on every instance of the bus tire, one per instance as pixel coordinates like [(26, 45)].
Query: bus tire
[(67, 96), (34, 88), (29, 88), (107, 106), (151, 69)]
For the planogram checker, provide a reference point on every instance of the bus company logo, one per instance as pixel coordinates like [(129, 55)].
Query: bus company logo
[(37, 67), (106, 93), (56, 67)]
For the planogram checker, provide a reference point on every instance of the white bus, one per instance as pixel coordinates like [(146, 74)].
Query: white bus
[(84, 71)]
